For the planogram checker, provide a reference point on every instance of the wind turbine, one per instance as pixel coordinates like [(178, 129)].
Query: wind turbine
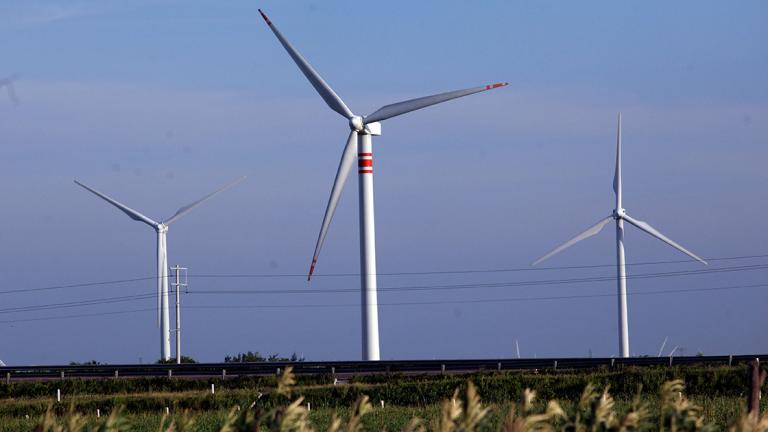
[(161, 228), (620, 215), (7, 82), (360, 142)]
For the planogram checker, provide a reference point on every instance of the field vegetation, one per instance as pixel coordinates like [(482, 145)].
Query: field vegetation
[(629, 399)]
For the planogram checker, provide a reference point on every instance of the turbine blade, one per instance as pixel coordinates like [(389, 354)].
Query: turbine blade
[(395, 109), (594, 229), (345, 165), (617, 175), (326, 92), (133, 214), (645, 226), (663, 344), (187, 208)]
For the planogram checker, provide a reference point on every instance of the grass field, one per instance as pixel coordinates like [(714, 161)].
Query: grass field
[(720, 394)]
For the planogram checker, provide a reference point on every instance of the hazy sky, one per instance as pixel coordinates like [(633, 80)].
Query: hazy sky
[(160, 102)]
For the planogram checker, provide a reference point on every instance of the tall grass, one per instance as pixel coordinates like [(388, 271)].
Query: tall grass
[(594, 410)]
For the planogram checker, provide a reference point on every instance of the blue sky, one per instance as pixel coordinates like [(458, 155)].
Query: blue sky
[(159, 102)]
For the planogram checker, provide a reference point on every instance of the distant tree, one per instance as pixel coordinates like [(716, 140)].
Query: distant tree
[(255, 357), (87, 363), (184, 359), (247, 357)]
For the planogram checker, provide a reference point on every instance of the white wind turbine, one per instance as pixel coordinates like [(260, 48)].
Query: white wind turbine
[(360, 143), (8, 83), (161, 228), (620, 215)]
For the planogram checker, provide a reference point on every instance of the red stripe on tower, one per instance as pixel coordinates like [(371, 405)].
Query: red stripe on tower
[(365, 163), (366, 171), (365, 154)]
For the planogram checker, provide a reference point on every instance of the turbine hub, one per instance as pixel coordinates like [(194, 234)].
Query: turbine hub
[(619, 213), (356, 124), (162, 228)]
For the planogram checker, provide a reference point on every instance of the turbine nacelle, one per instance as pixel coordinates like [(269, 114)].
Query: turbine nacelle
[(619, 213), (356, 123), (161, 228)]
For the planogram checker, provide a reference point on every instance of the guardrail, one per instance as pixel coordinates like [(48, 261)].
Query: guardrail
[(223, 370)]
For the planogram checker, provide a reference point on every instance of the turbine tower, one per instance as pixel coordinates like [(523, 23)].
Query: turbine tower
[(359, 143), (620, 215), (161, 228)]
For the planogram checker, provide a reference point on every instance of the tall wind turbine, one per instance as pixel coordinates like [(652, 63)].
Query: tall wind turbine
[(620, 215), (360, 142), (161, 228), (8, 83)]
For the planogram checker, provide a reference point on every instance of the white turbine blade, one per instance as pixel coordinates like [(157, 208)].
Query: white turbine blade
[(395, 109), (133, 214), (187, 208), (663, 344), (617, 175), (594, 229), (326, 92), (644, 226), (345, 165)]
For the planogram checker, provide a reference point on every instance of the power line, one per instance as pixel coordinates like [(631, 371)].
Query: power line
[(78, 285), (495, 300), (303, 275), (465, 271), (77, 316), (118, 299), (393, 304), (496, 284), (78, 303)]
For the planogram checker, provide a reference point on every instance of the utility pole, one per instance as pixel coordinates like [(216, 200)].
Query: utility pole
[(757, 378), (177, 271)]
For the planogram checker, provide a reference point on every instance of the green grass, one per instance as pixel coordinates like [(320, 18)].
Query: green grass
[(720, 410), (721, 393)]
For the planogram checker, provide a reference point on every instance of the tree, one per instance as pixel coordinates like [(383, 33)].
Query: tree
[(184, 359), (87, 363), (255, 357)]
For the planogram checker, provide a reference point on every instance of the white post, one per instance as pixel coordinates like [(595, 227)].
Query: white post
[(162, 281), (622, 279), (213, 389), (58, 395), (370, 310), (98, 413)]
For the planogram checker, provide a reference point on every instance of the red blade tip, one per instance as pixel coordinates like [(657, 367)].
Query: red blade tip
[(497, 85), (263, 15), (311, 269)]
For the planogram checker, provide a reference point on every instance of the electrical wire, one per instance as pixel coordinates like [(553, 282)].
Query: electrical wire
[(395, 304), (78, 303), (77, 316), (118, 299), (494, 300), (303, 275), (495, 284), (467, 271)]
